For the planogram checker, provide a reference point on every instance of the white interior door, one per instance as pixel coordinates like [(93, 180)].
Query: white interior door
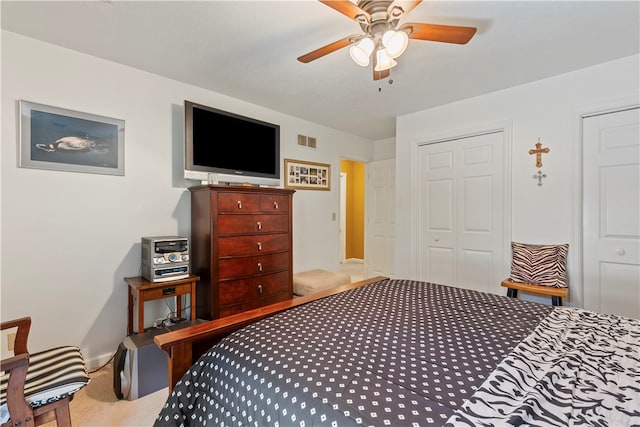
[(381, 209), (461, 210), (611, 212)]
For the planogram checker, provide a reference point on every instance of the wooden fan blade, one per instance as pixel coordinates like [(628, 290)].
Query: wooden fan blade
[(331, 47), (439, 33), (348, 9)]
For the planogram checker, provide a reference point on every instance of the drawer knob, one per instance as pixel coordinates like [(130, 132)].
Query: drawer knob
[(259, 246), (259, 225), (260, 289), (259, 266), (275, 205), (239, 204)]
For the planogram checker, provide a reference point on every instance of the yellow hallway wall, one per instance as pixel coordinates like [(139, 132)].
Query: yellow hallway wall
[(355, 208)]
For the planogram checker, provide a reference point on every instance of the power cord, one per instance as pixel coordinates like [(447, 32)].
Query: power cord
[(106, 363)]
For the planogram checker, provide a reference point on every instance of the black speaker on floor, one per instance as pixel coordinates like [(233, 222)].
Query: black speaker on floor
[(140, 366)]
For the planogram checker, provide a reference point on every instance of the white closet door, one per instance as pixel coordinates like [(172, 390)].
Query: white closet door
[(611, 212), (461, 212)]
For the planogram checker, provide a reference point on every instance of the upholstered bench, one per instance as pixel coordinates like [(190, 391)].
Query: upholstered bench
[(538, 269), (308, 282)]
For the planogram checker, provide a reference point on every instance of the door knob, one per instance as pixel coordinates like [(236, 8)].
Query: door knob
[(620, 251)]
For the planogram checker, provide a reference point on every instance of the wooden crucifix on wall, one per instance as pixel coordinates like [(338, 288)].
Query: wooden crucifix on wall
[(538, 152)]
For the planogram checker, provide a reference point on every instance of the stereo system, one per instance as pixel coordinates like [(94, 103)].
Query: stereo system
[(165, 258)]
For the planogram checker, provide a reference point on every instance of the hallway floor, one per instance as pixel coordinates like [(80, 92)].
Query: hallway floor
[(354, 268)]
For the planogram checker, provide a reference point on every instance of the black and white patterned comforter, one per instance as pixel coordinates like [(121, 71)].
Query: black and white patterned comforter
[(394, 353), (577, 368)]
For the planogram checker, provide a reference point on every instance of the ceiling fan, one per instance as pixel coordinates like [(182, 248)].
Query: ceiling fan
[(384, 39)]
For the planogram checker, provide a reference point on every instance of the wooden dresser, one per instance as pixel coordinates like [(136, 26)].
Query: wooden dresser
[(241, 247)]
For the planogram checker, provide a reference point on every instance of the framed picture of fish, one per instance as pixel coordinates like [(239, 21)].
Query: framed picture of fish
[(66, 140)]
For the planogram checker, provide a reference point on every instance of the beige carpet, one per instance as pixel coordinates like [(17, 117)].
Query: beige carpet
[(97, 405)]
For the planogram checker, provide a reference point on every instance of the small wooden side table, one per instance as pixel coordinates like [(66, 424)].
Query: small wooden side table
[(141, 290)]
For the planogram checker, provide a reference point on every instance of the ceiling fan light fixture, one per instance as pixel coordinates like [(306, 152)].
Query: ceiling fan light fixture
[(361, 51), (395, 42), (384, 61)]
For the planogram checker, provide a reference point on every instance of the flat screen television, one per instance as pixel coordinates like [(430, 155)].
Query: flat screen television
[(225, 147)]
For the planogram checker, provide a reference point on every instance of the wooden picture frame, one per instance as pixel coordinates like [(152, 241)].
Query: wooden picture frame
[(307, 175), (65, 140)]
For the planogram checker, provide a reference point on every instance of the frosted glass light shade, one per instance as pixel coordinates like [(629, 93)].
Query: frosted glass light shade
[(384, 61), (361, 51), (395, 42)]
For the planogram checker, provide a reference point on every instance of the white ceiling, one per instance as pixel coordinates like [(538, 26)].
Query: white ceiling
[(248, 50)]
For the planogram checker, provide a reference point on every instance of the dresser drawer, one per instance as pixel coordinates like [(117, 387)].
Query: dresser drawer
[(168, 290), (241, 291), (238, 202), (228, 310), (252, 245), (229, 268), (272, 299), (273, 203), (245, 224)]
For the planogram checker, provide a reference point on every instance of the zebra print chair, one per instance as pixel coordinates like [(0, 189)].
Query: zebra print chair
[(37, 388), (538, 269)]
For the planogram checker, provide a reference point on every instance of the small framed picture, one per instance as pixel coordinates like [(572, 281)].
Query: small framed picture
[(307, 175), (66, 140)]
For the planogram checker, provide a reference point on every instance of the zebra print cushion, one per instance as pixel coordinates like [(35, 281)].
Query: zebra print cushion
[(544, 265)]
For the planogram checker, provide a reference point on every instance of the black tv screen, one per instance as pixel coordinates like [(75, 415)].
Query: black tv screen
[(235, 147)]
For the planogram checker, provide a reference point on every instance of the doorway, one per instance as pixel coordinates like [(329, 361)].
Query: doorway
[(352, 218)]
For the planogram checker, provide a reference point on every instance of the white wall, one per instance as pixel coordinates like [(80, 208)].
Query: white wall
[(549, 109), (384, 149), (69, 239)]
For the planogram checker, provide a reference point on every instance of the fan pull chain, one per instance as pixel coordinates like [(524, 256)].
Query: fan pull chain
[(380, 84)]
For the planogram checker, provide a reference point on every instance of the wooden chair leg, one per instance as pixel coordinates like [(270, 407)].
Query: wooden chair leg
[(58, 410), (63, 416)]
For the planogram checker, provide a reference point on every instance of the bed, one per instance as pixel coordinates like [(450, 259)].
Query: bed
[(401, 352)]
